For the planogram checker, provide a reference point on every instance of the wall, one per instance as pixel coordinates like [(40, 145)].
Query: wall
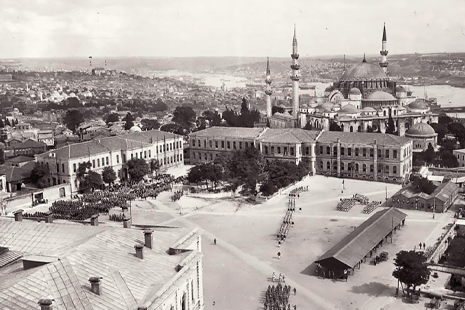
[(441, 246)]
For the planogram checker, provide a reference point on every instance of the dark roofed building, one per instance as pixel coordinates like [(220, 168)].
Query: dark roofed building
[(29, 147), (360, 243)]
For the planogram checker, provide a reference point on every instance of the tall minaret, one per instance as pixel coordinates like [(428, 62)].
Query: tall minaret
[(295, 80), (268, 90), (384, 51)]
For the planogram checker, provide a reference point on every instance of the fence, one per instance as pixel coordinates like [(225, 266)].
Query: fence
[(452, 270), (441, 246)]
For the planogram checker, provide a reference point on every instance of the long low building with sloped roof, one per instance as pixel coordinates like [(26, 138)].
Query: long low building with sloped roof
[(351, 251)]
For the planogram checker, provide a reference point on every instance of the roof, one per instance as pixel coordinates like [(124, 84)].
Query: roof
[(29, 143), (364, 71), (228, 132), (95, 251), (444, 191), (418, 104), (380, 96), (288, 135), (421, 130), (362, 137), (400, 89), (15, 174), (351, 250), (348, 109), (355, 91), (19, 159)]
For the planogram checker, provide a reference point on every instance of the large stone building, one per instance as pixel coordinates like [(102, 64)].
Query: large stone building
[(67, 266), (362, 100), (371, 156), (63, 162)]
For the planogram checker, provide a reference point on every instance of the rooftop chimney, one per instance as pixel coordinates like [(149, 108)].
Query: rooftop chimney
[(96, 287), (18, 215), (49, 217), (46, 304), (127, 222), (94, 220), (139, 251), (148, 238)]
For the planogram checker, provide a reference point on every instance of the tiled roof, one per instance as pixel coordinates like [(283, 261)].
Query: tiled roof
[(444, 191), (90, 251), (351, 250), (9, 257), (14, 174), (19, 159), (288, 135), (28, 144), (228, 132), (363, 138)]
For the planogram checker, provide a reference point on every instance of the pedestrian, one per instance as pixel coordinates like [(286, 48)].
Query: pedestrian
[(420, 245), (214, 241), (279, 243), (295, 307), (279, 255), (213, 302), (295, 291), (273, 276), (300, 210), (424, 246)]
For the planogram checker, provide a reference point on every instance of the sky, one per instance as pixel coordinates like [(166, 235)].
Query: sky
[(258, 28)]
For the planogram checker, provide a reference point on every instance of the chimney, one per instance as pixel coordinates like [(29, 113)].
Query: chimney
[(148, 238), (139, 251), (46, 304), (49, 217), (95, 285), (18, 215), (127, 222), (94, 220)]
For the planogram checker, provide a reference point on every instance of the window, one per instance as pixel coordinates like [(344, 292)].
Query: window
[(74, 167), (394, 155), (193, 142), (137, 156), (58, 167), (132, 156), (108, 161), (371, 152), (123, 157), (364, 168), (321, 149), (328, 150), (342, 166), (180, 156), (292, 151), (387, 153), (150, 153), (386, 169), (379, 168), (216, 144), (349, 151), (164, 146), (145, 154), (234, 145), (200, 145), (222, 144), (62, 167), (356, 151), (272, 150), (307, 150), (364, 152), (210, 142), (279, 149), (98, 162), (228, 144), (321, 164), (140, 155), (266, 149), (93, 163), (394, 170), (204, 144), (161, 150), (193, 154), (379, 153), (328, 165), (371, 168), (335, 151), (342, 151)]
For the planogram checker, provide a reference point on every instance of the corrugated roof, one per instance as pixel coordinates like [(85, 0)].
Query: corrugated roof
[(363, 138), (365, 237)]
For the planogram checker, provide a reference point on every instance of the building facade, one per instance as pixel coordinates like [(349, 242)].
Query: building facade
[(460, 154), (114, 152), (370, 156)]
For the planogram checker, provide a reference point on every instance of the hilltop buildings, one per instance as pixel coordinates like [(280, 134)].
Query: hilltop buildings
[(68, 266), (371, 156), (362, 100)]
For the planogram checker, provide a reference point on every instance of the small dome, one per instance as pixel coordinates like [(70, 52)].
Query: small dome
[(355, 91), (418, 104), (326, 107), (381, 96), (304, 105), (313, 105), (400, 89), (348, 109), (135, 129), (368, 109), (421, 129)]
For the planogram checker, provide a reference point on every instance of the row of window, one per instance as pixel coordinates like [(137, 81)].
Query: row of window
[(224, 144), (358, 168), (364, 152)]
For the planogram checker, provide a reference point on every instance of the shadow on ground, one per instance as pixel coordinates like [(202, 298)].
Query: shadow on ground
[(373, 289)]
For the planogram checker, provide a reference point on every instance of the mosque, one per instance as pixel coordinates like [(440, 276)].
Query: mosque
[(362, 100)]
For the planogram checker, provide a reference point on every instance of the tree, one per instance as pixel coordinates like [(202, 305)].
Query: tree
[(411, 269), (39, 175), (174, 128), (111, 118), (129, 121), (184, 116), (155, 166), (92, 180), (108, 175), (82, 170), (7, 122), (429, 154), (73, 119), (149, 124), (213, 117), (244, 107), (334, 127), (444, 119), (440, 129), (275, 109), (391, 127), (308, 126), (137, 169)]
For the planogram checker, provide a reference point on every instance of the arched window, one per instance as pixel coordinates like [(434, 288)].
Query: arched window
[(351, 129), (335, 166), (342, 166), (349, 151), (321, 149), (342, 151), (394, 170), (321, 164), (387, 153), (364, 168), (386, 169), (328, 150), (356, 151), (266, 149), (335, 151), (328, 165), (356, 167), (371, 168)]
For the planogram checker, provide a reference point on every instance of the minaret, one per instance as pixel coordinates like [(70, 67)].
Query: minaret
[(268, 90), (295, 81), (384, 51)]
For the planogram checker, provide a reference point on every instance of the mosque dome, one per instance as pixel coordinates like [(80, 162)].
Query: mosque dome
[(304, 105), (369, 109), (421, 130), (348, 109), (380, 96), (135, 129), (364, 71), (327, 106), (418, 104), (355, 91), (313, 105)]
